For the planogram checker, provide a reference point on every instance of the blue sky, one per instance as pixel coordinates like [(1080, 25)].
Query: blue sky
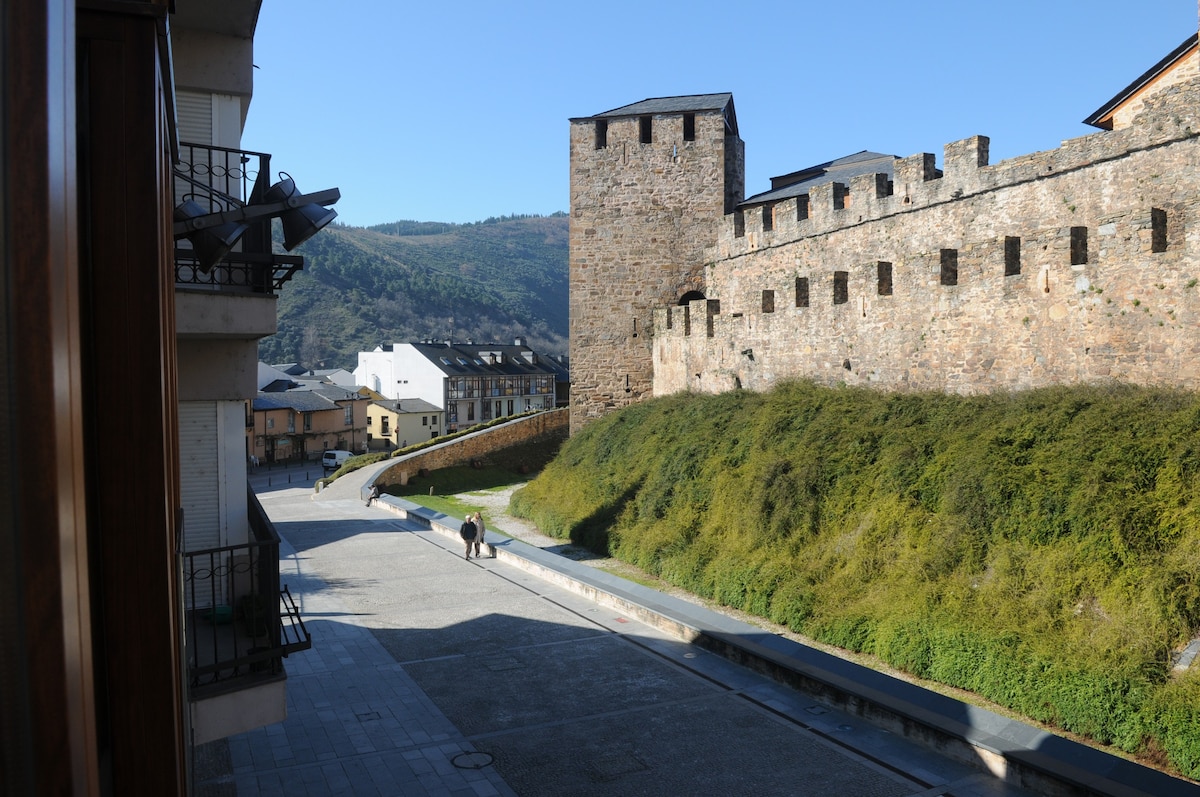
[(458, 111)]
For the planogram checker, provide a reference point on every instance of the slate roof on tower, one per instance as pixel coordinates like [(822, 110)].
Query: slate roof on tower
[(684, 104)]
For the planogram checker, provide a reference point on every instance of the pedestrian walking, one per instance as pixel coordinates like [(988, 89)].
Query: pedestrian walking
[(478, 521), (467, 532)]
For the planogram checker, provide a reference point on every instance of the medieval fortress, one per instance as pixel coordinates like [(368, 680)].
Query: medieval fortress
[(1080, 264)]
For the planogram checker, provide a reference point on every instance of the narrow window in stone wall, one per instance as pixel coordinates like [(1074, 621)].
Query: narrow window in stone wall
[(768, 301), (644, 124), (841, 287), (689, 127), (802, 291), (1158, 230), (949, 275), (768, 217), (802, 207), (884, 270), (1012, 255), (1078, 246), (601, 133), (635, 327), (739, 224), (840, 195)]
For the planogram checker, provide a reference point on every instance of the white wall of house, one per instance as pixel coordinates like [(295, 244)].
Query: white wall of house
[(418, 377), (402, 373), (375, 370)]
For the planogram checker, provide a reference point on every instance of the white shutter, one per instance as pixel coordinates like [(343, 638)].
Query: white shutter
[(200, 493), (199, 471), (195, 117)]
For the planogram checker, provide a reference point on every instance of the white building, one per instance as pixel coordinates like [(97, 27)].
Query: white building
[(471, 382)]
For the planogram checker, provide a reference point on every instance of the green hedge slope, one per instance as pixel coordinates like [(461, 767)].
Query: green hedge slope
[(1041, 549)]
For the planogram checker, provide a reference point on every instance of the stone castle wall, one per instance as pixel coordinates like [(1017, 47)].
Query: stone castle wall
[(641, 221), (1074, 265)]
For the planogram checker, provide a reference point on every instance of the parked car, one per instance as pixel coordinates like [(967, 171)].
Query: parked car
[(333, 459)]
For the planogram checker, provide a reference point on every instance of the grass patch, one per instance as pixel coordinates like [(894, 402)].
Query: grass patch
[(451, 481), (452, 487)]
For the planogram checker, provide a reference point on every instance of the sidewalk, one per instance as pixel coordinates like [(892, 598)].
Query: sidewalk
[(432, 675)]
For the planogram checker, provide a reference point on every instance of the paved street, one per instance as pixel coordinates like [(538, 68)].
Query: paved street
[(433, 675)]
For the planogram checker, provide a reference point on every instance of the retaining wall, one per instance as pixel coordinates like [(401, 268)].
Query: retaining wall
[(538, 433)]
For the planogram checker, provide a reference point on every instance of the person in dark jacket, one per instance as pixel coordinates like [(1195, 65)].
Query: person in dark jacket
[(467, 532)]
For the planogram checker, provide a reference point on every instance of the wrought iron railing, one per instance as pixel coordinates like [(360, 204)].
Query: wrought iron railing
[(239, 272), (220, 179), (241, 623)]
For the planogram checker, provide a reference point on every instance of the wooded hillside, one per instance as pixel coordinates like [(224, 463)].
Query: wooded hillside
[(489, 282)]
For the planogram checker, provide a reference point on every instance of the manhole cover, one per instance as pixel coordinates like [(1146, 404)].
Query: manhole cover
[(472, 760)]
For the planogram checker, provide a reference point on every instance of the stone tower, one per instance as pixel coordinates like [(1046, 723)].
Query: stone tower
[(648, 180)]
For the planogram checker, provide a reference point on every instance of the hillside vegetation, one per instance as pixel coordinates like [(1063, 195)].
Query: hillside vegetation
[(489, 282), (1041, 549)]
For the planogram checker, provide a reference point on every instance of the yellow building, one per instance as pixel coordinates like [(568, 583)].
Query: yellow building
[(396, 423)]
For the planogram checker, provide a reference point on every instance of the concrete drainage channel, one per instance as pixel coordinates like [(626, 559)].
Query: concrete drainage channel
[(1011, 750), (1186, 657)]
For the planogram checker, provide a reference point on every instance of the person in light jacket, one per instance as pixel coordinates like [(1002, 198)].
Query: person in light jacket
[(477, 519)]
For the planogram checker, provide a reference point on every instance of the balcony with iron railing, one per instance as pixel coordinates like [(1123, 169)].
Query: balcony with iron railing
[(241, 622)]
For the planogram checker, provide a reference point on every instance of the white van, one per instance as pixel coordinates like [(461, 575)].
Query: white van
[(333, 459)]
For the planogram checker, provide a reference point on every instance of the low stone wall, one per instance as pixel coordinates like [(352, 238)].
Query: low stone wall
[(522, 443)]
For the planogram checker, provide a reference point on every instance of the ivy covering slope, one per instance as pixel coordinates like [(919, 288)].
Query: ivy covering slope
[(1041, 549)]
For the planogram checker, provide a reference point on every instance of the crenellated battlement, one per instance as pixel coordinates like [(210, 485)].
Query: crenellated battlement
[(917, 183)]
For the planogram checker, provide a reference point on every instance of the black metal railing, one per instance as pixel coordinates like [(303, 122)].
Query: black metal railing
[(239, 272), (240, 623), (220, 179)]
